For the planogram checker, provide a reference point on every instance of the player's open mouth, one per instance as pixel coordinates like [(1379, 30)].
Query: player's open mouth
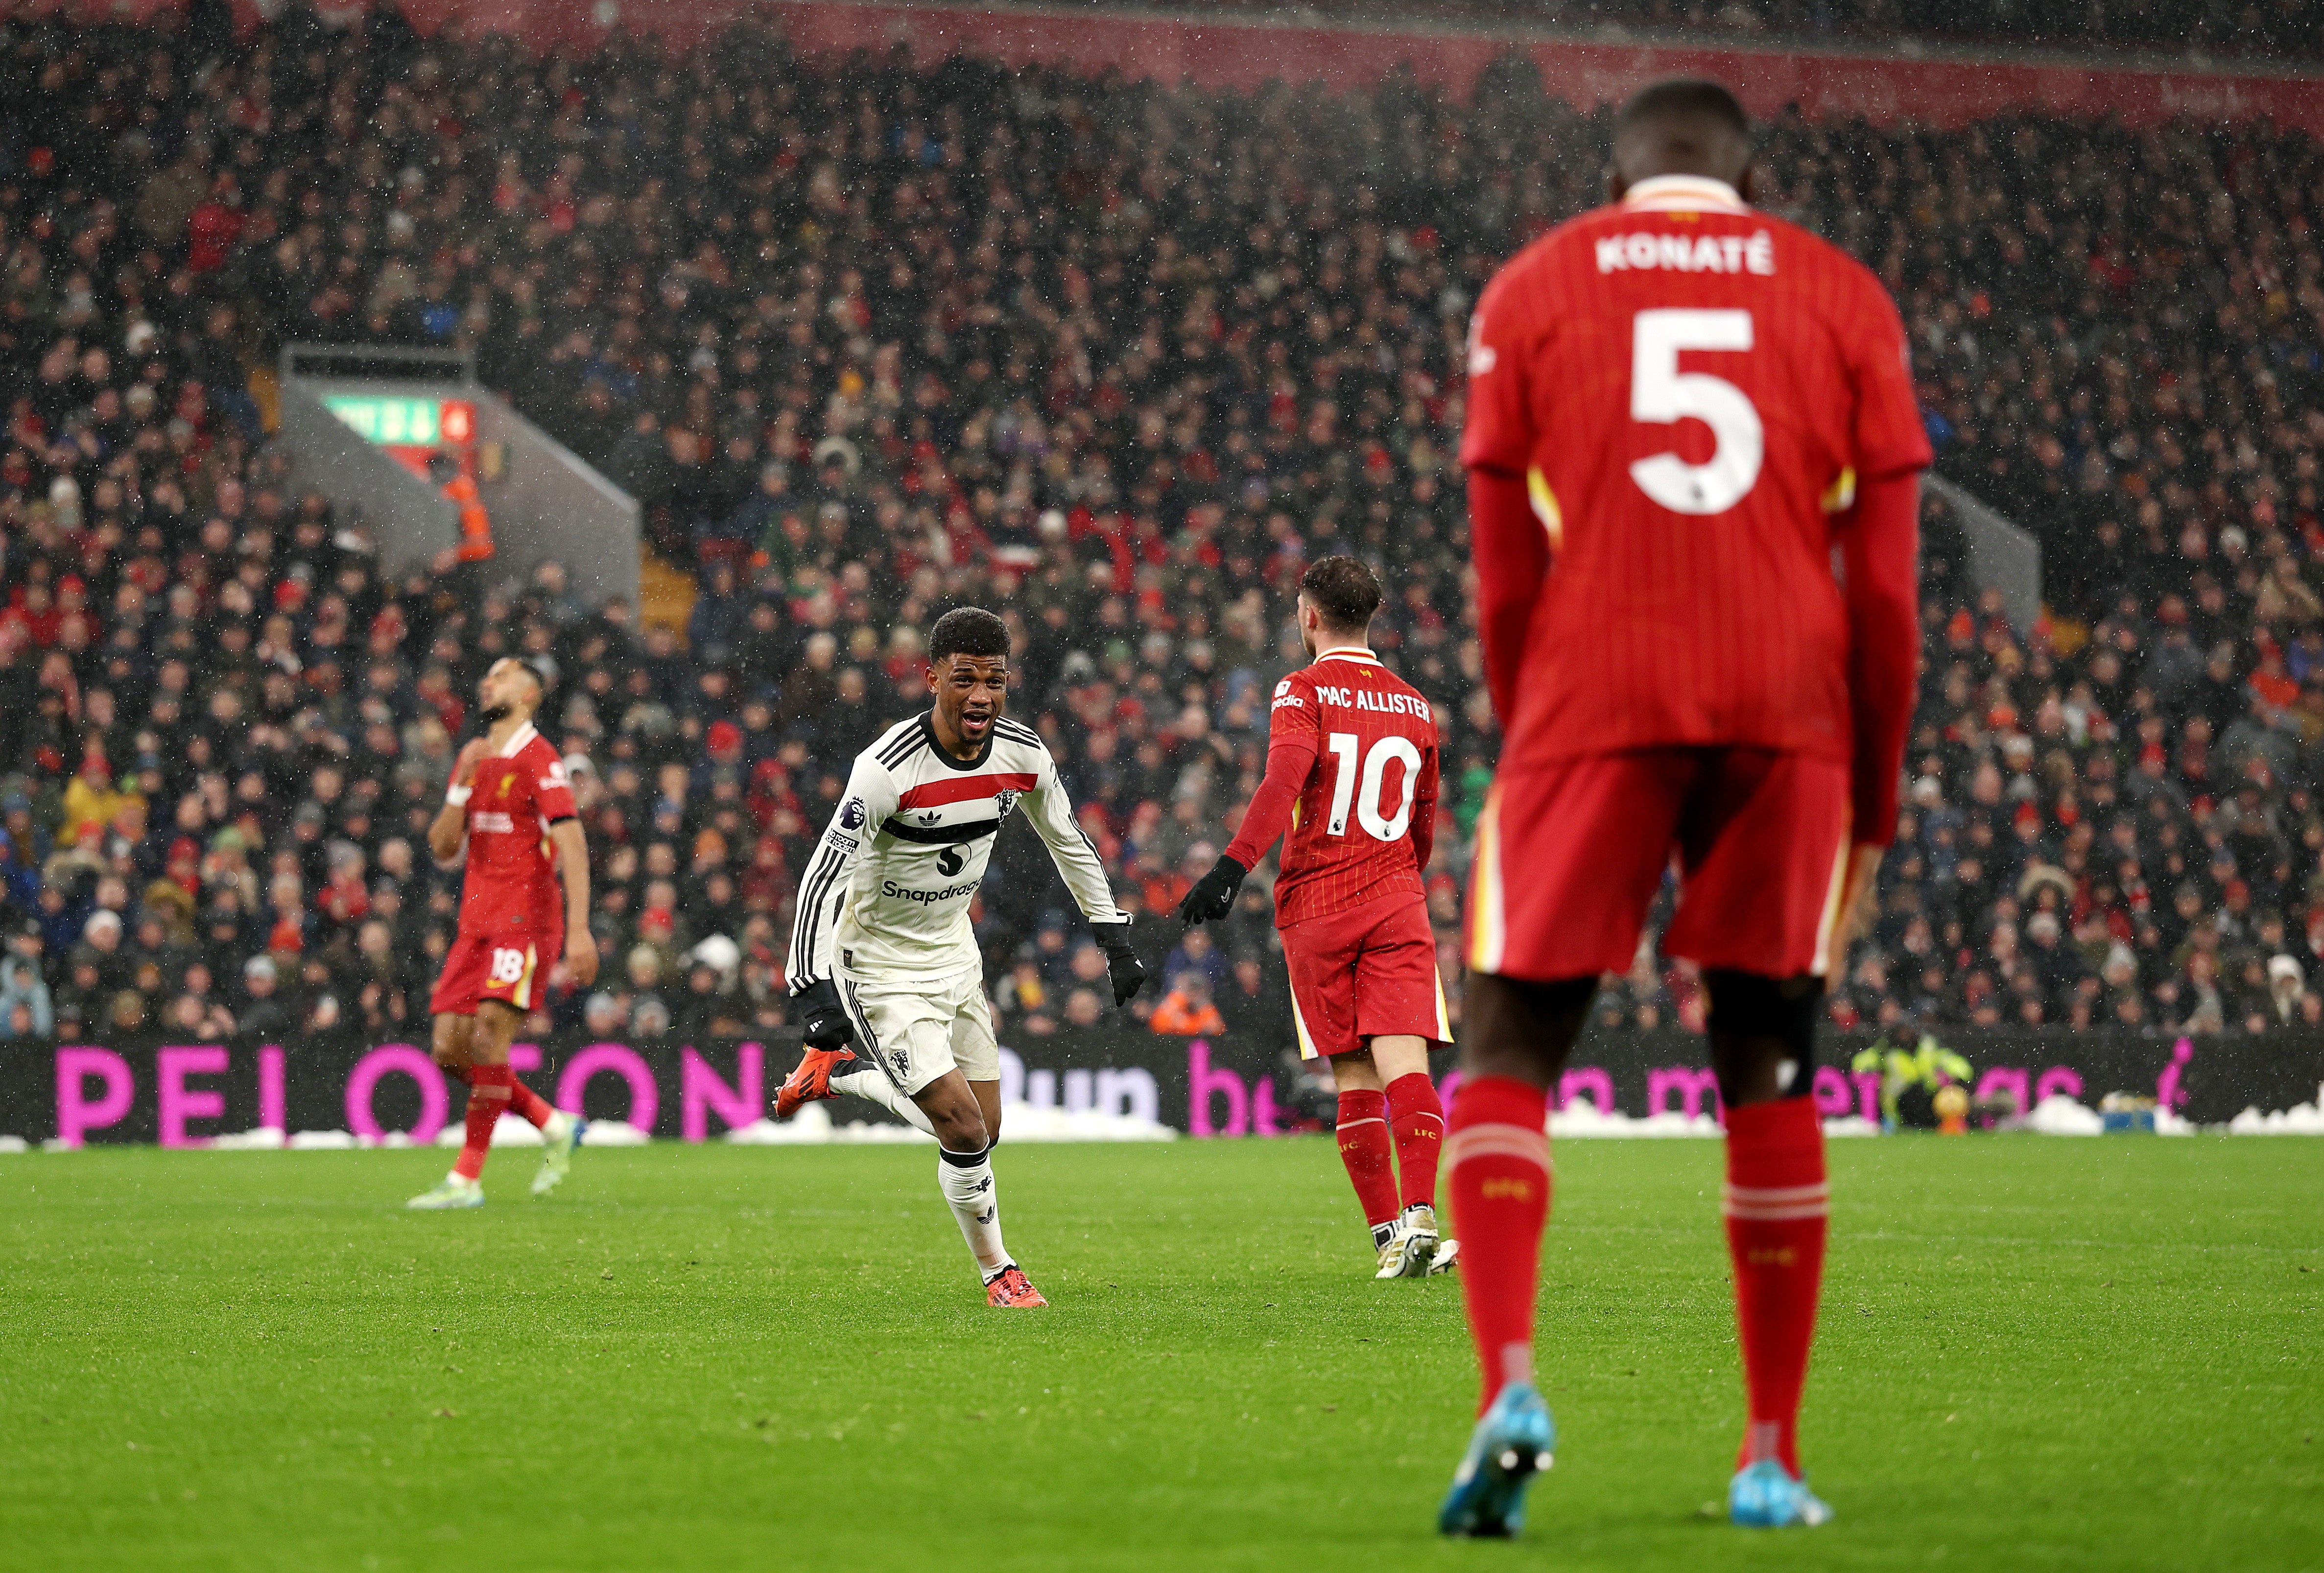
[(971, 722)]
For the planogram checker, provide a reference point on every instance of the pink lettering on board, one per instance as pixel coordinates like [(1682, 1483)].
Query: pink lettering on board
[(2059, 1079), (1691, 1085), (1202, 1082), (181, 1102), (524, 1058), (645, 1097), (77, 1115), (2167, 1093), (1834, 1098), (701, 1089), (1867, 1093), (2009, 1078), (1587, 1078), (269, 1088), (1263, 1112), (396, 1059)]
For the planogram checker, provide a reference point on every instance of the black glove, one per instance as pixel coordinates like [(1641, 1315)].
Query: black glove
[(1121, 963), (1213, 894), (826, 1022)]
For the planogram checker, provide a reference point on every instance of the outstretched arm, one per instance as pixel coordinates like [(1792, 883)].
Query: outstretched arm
[(1293, 740), (1078, 865), (1051, 813)]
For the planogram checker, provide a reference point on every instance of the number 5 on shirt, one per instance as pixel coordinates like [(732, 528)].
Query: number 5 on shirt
[(1661, 394)]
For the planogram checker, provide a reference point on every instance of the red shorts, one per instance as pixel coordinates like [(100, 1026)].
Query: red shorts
[(1569, 858), (507, 967), (1368, 972)]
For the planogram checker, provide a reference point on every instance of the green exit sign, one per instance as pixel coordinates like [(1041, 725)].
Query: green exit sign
[(397, 422)]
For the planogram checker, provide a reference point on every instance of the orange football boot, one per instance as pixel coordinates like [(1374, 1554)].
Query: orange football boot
[(1012, 1290), (811, 1081)]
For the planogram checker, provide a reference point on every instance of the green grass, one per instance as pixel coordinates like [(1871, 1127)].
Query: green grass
[(2066, 1355)]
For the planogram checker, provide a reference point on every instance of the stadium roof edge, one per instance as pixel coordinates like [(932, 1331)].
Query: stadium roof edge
[(1941, 84), (1617, 35)]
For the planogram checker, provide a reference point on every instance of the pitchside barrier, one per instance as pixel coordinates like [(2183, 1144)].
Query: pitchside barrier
[(145, 1090)]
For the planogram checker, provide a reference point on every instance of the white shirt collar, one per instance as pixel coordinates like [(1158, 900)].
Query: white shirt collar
[(1351, 651), (517, 740), (1688, 193)]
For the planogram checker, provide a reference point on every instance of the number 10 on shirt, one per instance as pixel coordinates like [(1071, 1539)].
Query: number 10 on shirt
[(1345, 747)]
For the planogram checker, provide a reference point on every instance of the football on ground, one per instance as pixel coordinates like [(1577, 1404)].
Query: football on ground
[(2097, 1354)]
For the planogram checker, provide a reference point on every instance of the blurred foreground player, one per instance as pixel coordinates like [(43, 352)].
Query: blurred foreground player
[(1351, 775), (1678, 408), (882, 954), (510, 798)]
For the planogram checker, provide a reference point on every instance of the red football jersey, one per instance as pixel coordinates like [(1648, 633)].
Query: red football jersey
[(1351, 765), (1690, 389), (514, 796)]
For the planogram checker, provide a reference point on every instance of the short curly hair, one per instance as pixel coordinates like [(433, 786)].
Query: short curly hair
[(967, 631)]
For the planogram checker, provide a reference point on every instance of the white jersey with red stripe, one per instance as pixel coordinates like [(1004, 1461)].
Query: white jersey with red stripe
[(888, 893)]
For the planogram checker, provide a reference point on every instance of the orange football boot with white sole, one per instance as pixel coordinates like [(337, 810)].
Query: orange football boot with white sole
[(1012, 1290), (811, 1081)]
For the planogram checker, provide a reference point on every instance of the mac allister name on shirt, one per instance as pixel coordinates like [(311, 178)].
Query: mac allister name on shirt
[(1388, 704)]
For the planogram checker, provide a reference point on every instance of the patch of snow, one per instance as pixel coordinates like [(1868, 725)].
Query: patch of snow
[(1581, 1117), (324, 1141), (1850, 1125), (264, 1139), (509, 1132), (2299, 1120), (2059, 1116), (11, 1145), (1024, 1122), (600, 1133)]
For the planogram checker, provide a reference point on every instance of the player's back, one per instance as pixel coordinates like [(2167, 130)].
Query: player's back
[(1375, 769), (1690, 388)]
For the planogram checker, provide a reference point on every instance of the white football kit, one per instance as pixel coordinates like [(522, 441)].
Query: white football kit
[(883, 910)]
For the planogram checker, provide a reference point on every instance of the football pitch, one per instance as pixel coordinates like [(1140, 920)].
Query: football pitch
[(2034, 1353)]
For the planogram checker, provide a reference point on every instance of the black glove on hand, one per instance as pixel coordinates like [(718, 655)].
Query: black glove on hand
[(1213, 894), (1121, 963), (827, 1024)]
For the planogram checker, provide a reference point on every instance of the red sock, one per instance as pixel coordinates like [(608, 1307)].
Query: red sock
[(1497, 1173), (488, 1099), (1364, 1149), (528, 1105), (1775, 1203), (1417, 1120)]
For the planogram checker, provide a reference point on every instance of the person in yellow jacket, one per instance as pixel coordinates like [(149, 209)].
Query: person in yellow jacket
[(91, 799), (1909, 1081)]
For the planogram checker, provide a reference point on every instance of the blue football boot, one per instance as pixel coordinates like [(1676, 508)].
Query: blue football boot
[(1764, 1497), (1511, 1444)]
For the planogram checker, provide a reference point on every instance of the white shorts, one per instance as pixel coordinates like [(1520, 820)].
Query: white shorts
[(916, 1031)]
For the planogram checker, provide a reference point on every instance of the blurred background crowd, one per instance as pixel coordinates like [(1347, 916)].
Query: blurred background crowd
[(867, 341)]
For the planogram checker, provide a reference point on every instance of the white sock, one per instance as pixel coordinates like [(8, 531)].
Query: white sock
[(872, 1086), (966, 1180)]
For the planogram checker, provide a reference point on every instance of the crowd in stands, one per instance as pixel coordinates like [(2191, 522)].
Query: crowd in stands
[(2271, 29), (867, 341)]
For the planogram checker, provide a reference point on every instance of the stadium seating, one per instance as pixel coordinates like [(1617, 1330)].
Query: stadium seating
[(1117, 360)]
